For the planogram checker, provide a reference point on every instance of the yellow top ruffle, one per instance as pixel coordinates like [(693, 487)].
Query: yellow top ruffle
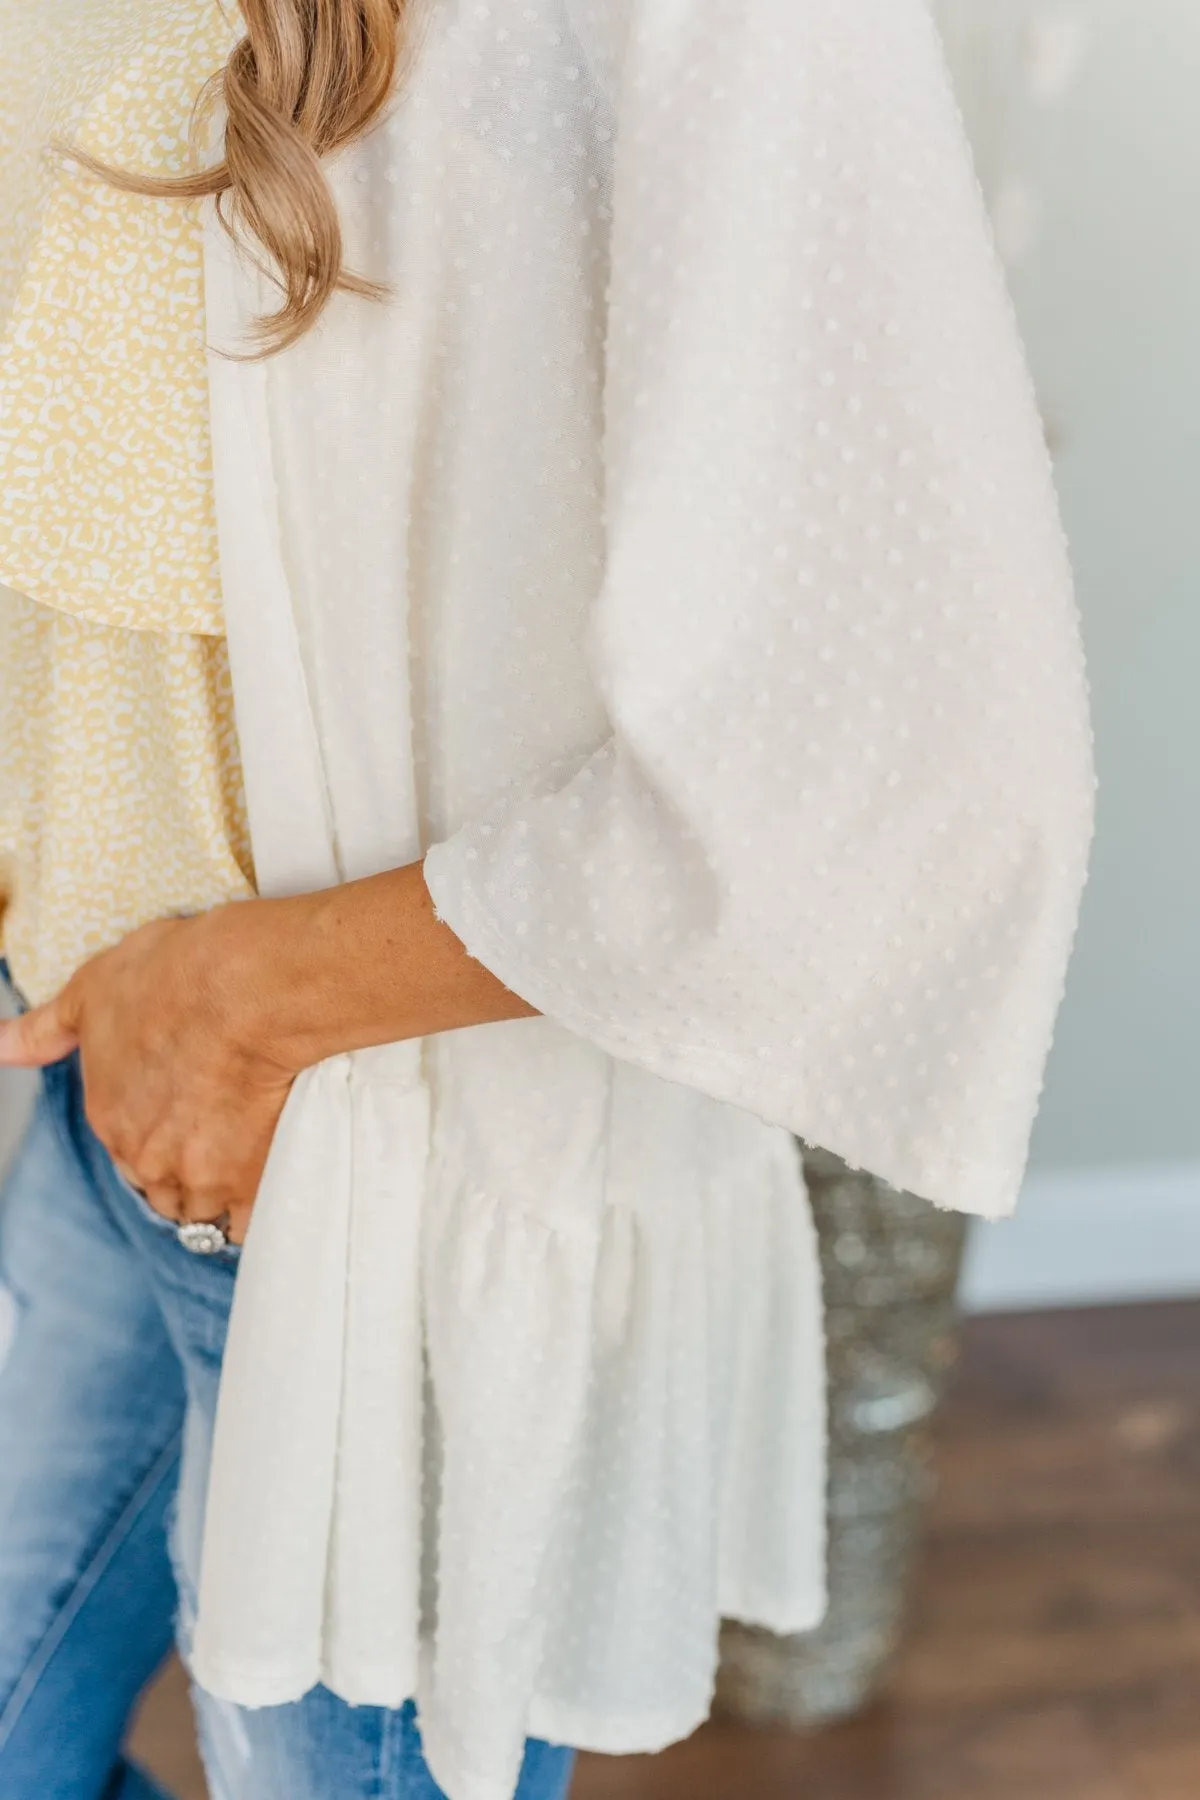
[(120, 795)]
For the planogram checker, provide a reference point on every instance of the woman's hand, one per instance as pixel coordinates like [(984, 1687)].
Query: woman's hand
[(192, 1031), (179, 1088)]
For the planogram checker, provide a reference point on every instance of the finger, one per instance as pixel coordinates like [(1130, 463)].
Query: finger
[(201, 1209), (39, 1038), (163, 1198), (239, 1224)]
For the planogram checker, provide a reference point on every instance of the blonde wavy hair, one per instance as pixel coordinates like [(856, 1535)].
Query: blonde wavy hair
[(308, 77)]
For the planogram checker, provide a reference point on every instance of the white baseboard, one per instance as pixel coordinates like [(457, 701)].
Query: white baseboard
[(1091, 1237)]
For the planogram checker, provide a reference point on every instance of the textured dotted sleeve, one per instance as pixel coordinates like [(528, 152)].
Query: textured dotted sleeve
[(827, 865)]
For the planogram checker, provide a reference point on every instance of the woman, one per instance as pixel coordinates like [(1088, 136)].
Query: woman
[(618, 516)]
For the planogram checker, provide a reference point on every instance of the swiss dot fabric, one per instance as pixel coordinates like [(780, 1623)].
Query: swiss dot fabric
[(825, 865), (673, 557)]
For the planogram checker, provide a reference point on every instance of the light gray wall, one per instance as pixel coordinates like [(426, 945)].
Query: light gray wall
[(14, 1097), (15, 1091)]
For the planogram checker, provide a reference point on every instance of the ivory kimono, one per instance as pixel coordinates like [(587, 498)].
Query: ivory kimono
[(673, 557)]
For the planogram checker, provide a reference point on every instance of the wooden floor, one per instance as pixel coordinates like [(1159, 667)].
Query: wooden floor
[(1055, 1644)]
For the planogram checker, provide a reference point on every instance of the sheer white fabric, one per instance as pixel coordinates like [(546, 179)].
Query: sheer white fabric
[(674, 558)]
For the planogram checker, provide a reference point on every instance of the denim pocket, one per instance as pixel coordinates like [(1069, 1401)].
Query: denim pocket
[(142, 1206)]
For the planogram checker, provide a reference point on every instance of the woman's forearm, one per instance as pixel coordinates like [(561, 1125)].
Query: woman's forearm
[(362, 964)]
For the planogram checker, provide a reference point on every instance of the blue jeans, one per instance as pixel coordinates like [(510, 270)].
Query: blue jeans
[(107, 1393)]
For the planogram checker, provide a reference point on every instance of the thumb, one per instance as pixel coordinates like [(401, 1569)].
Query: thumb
[(40, 1037)]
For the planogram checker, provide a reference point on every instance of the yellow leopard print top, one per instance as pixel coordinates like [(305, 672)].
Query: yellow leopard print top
[(120, 788)]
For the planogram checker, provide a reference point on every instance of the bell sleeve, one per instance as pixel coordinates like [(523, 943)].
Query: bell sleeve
[(827, 865)]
